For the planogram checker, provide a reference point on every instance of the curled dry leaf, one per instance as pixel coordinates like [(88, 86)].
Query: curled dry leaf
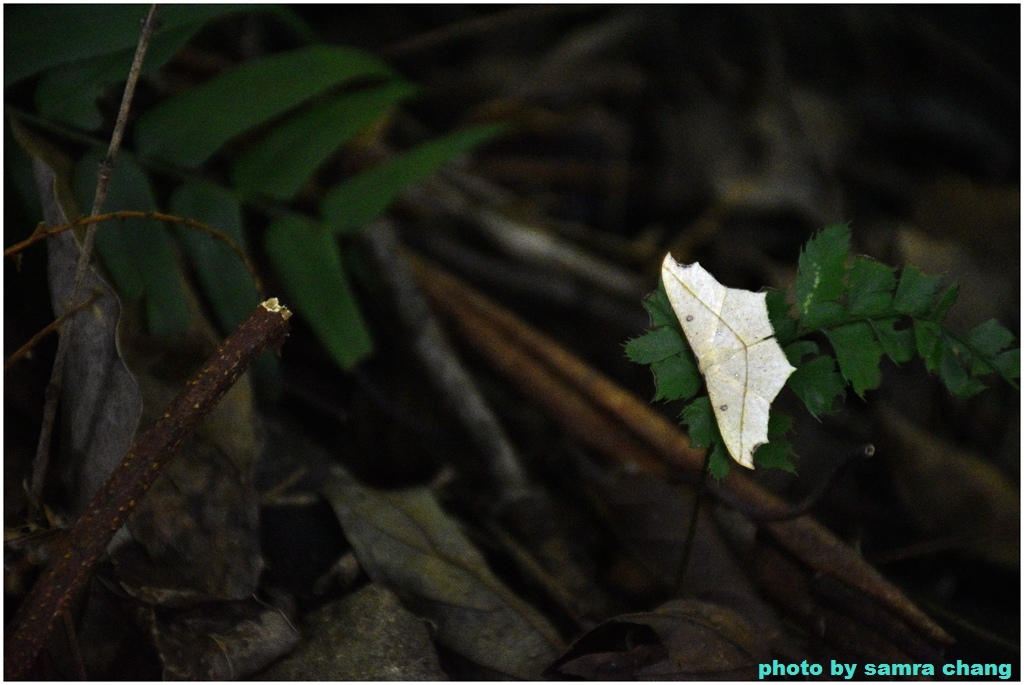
[(681, 640), (407, 543), (228, 641), (100, 402)]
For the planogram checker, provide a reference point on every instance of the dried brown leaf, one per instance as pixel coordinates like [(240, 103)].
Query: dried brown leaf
[(681, 640), (229, 641), (100, 401), (407, 543)]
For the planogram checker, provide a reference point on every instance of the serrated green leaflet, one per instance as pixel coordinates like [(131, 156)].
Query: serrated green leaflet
[(283, 160), (928, 339), (817, 383), (896, 336), (659, 308), (357, 202), (775, 455), (871, 286), (865, 311), (187, 129), (778, 314), (953, 373), (307, 260), (699, 418), (858, 354), (655, 345), (676, 377), (990, 338), (917, 293), (822, 268)]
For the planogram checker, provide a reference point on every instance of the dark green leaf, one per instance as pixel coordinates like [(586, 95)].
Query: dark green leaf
[(700, 419), (822, 315), (817, 383), (282, 161), (703, 431), (795, 352), (775, 455), (676, 377), (359, 201), (917, 293), (406, 542), (821, 271), (858, 354), (138, 252), (871, 286), (778, 313), (720, 464), (189, 128), (946, 301), (778, 425), (928, 337), (953, 373), (660, 309), (1008, 364), (898, 342), (655, 345), (990, 338), (226, 282), (306, 259), (38, 37)]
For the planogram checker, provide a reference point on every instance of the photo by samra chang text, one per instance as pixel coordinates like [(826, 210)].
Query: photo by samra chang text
[(853, 671)]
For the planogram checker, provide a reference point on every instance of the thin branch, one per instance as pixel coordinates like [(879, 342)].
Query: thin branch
[(79, 551), (34, 340), (106, 170), (53, 388), (43, 233), (502, 464)]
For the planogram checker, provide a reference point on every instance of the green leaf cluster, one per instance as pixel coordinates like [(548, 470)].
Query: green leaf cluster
[(849, 313), (275, 121)]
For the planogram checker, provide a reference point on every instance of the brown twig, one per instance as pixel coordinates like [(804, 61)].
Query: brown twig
[(53, 388), (42, 233), (502, 464), (545, 371), (106, 170), (78, 552), (53, 326)]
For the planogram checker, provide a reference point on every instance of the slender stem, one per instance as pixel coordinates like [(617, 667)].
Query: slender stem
[(691, 533), (106, 170), (53, 389), (79, 551), (134, 214), (54, 325)]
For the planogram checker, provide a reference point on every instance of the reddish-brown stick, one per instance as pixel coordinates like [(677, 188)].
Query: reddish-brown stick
[(78, 552)]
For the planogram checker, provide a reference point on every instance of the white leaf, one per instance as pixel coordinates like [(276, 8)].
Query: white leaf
[(742, 364)]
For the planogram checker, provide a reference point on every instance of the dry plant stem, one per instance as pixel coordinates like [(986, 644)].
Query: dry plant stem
[(540, 367), (480, 26), (53, 593), (569, 407), (443, 366), (54, 325), (582, 399), (106, 170), (42, 233)]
